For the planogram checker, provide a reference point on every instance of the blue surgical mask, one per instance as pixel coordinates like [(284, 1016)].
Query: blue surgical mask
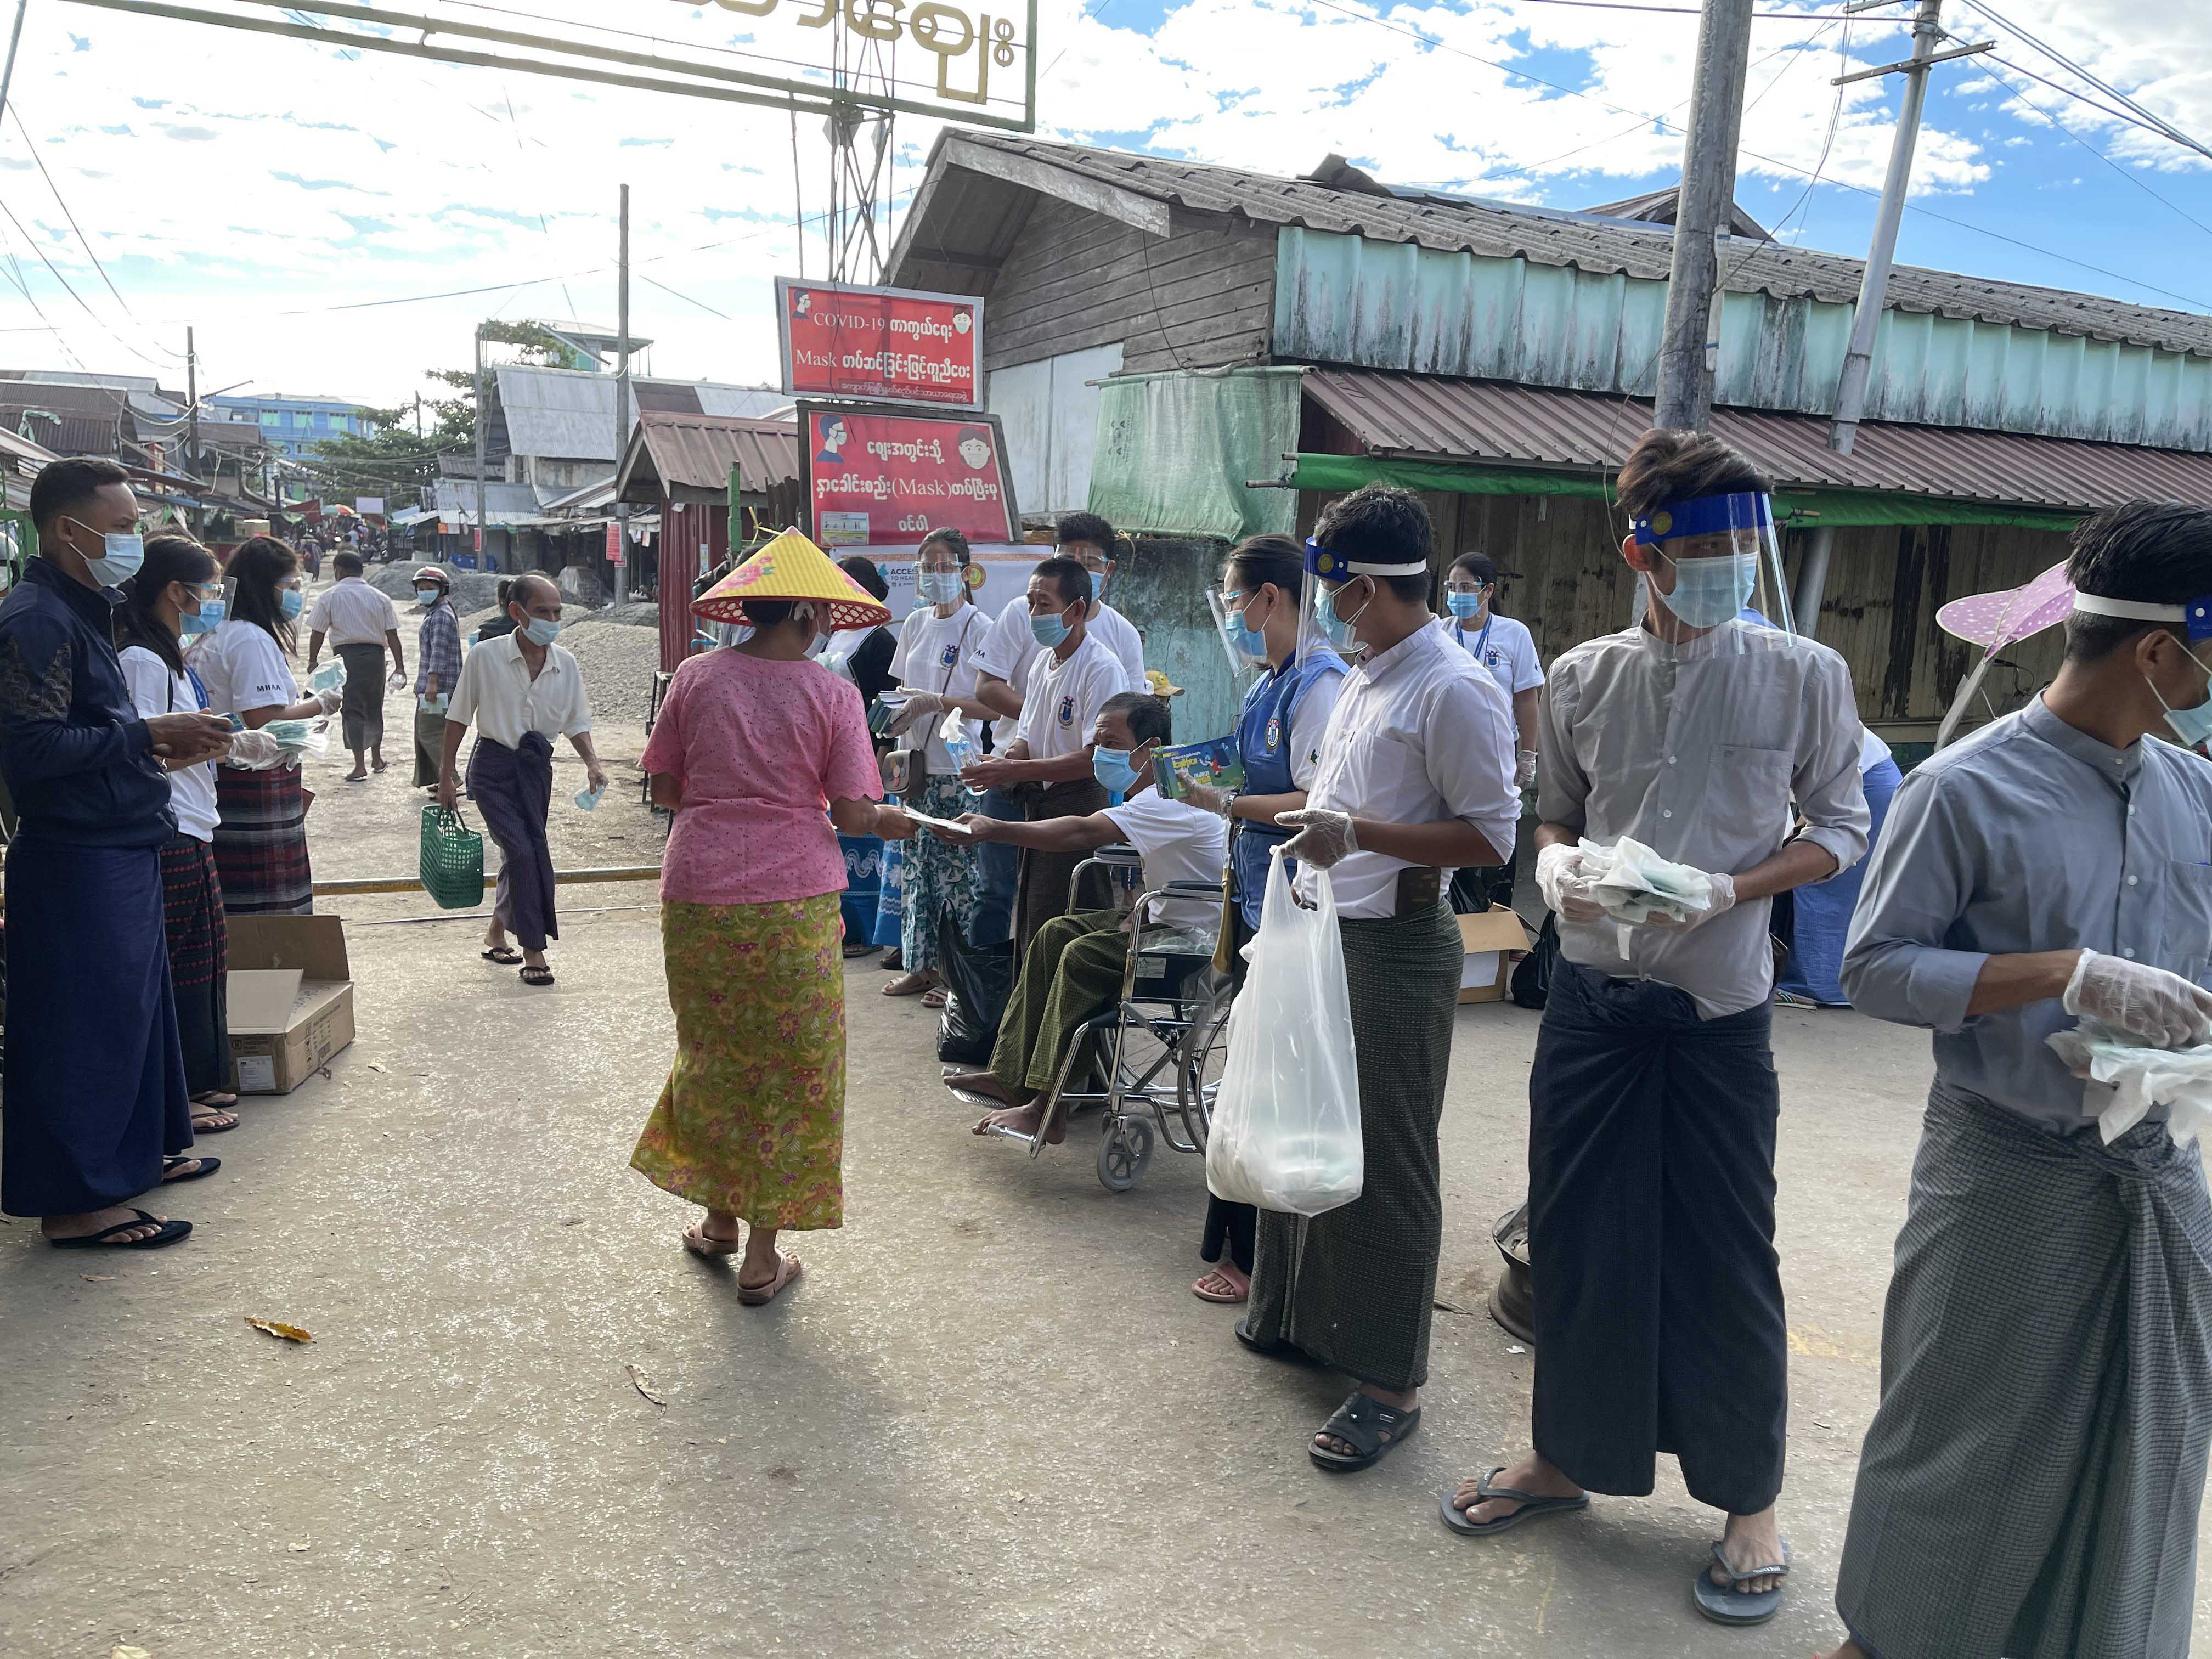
[(541, 632), (1337, 628), (1709, 592), (1245, 639), (939, 586), (2191, 727), (426, 597), (1465, 606), (124, 552), (209, 617), (1049, 629), (292, 603), (1112, 769)]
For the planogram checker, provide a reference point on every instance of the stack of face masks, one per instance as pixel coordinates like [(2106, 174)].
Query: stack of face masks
[(296, 738), (1634, 883), (2128, 1079)]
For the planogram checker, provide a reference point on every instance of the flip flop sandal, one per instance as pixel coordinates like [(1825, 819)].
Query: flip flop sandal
[(854, 949), (1273, 1350), (697, 1241), (1531, 1506), (539, 977), (907, 985), (1376, 1429), (933, 998), (759, 1296), (105, 1239), (208, 1167), (214, 1123), (505, 956), (1731, 1604), (1229, 1299), (215, 1099), (891, 962)]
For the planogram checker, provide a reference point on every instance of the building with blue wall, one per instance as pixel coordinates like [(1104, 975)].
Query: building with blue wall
[(295, 425)]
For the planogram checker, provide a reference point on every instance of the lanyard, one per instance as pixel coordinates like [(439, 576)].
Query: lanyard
[(1482, 639)]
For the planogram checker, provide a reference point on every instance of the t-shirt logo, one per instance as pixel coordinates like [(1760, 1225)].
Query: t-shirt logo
[(1274, 733), (951, 658), (1068, 709), (1493, 658)]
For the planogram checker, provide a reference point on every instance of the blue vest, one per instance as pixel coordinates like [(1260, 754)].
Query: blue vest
[(1263, 743)]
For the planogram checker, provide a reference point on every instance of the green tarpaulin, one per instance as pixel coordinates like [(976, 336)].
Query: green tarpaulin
[(1177, 452), (1809, 509)]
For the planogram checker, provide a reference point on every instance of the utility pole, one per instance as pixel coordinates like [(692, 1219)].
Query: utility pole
[(418, 417), (1851, 386), (1689, 350), (191, 405), (14, 39), (621, 400), (484, 547)]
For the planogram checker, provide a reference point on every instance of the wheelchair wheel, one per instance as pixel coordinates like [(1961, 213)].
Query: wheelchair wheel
[(1123, 1153)]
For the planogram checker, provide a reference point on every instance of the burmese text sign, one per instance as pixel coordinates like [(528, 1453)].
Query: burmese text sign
[(880, 479), (901, 345)]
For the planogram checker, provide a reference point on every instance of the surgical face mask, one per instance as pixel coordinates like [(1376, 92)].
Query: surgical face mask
[(1465, 606), (426, 597), (1099, 580), (126, 552), (204, 620), (1336, 627), (541, 631), (2191, 727), (939, 586), (292, 603), (1112, 768), (1248, 640), (1051, 629), (1709, 592)]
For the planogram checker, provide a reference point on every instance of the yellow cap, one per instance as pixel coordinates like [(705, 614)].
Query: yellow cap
[(1160, 684), (792, 567)]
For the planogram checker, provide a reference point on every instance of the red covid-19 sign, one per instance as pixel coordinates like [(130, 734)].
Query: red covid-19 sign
[(876, 479), (896, 344)]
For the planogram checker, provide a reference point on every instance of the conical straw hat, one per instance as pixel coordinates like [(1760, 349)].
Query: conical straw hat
[(792, 567)]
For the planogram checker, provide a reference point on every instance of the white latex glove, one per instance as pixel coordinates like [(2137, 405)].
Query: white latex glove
[(332, 699), (1207, 798), (1524, 769), (1560, 878), (918, 705), (2165, 1010), (1723, 900), (1324, 840), (253, 751)]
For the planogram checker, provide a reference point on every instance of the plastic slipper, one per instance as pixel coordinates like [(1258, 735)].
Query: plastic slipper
[(759, 1296), (539, 977), (934, 997), (909, 985), (1227, 1295), (171, 1232), (696, 1241), (208, 1167), (214, 1122), (1531, 1506), (1276, 1349), (1731, 1604), (853, 949), (505, 955), (218, 1099), (1376, 1428)]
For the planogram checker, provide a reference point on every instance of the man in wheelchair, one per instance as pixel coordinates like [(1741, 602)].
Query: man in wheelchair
[(1076, 963)]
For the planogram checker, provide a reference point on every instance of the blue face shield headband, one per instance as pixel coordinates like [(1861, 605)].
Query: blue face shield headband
[(1708, 591), (1331, 570), (1706, 515)]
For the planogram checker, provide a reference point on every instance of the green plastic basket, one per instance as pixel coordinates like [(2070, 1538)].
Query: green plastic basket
[(452, 861)]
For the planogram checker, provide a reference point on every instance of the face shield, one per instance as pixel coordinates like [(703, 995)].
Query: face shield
[(1339, 592), (1715, 586), (1238, 617)]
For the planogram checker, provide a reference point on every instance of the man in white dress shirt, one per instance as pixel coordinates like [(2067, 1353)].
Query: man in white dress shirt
[(361, 623)]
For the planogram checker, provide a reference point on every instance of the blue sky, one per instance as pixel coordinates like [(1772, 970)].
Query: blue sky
[(278, 194)]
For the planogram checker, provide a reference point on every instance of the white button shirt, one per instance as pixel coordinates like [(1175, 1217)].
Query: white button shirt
[(1010, 648), (498, 694), (353, 613), (1420, 733)]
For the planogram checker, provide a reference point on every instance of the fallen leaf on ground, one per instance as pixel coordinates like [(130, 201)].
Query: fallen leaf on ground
[(637, 1382), (97, 1278), (290, 1333)]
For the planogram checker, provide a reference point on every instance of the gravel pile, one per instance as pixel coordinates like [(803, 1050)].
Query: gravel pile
[(473, 590), (618, 664), (643, 613)]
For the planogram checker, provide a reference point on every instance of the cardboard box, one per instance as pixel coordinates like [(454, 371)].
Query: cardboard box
[(291, 991), (1491, 942)]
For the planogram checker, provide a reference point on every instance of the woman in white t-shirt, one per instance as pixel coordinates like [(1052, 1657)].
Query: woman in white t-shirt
[(261, 828), (177, 581), (935, 665)]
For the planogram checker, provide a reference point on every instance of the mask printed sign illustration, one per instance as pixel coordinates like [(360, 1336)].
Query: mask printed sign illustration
[(899, 344), (875, 479)]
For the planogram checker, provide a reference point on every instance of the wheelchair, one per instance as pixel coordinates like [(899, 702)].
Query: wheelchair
[(1153, 1060)]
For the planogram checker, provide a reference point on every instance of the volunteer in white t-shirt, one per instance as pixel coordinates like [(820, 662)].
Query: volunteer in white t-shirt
[(1047, 766), (1075, 965), (1508, 650), (1091, 541), (935, 668)]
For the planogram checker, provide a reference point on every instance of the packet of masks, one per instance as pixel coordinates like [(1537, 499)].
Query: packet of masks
[(300, 737), (1634, 883), (2129, 1080), (330, 676)]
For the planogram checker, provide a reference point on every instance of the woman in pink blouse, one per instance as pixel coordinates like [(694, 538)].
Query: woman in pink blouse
[(753, 742)]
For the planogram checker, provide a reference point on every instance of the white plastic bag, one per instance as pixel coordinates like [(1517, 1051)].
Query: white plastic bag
[(2126, 1079), (1286, 1132)]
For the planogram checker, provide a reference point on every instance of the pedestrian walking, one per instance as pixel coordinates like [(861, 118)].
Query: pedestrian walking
[(96, 1096), (437, 670), (763, 757), (261, 830), (1731, 747), (1505, 647), (1415, 778), (2031, 1481), (520, 691), (361, 623)]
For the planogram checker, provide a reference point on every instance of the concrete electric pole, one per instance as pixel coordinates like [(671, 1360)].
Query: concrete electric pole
[(191, 406), (483, 421), (620, 514), (1689, 349)]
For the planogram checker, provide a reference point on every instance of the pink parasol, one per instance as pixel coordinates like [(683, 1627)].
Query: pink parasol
[(1993, 620)]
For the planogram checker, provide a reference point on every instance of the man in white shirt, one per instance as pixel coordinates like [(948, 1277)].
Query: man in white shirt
[(1505, 647), (521, 690), (1046, 767), (361, 623), (1075, 966), (1090, 542)]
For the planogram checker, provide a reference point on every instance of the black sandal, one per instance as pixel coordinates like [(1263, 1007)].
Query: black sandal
[(505, 955), (1732, 1604), (1368, 1423), (171, 1232), (537, 976), (1274, 1348), (1532, 1505), (208, 1167)]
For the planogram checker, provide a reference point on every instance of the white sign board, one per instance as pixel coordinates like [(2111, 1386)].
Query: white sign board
[(369, 505)]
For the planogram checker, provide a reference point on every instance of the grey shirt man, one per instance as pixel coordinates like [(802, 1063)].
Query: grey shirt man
[(1696, 751), (2027, 836)]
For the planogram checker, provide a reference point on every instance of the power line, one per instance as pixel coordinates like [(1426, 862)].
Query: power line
[(2125, 173), (686, 298), (2057, 57), (2170, 135)]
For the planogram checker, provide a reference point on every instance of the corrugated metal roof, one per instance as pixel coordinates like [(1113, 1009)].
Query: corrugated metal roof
[(569, 414), (1430, 417), (696, 452), (1543, 236)]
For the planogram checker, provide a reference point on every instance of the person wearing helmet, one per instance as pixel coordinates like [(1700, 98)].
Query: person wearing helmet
[(438, 668)]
